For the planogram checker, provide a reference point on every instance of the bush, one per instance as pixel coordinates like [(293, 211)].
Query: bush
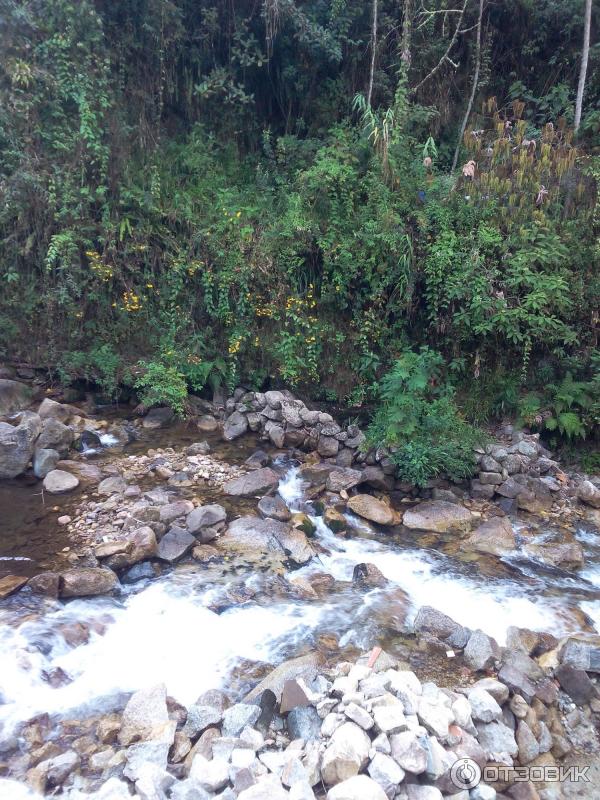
[(162, 385), (419, 421)]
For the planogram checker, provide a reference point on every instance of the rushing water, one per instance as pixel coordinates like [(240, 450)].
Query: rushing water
[(166, 631)]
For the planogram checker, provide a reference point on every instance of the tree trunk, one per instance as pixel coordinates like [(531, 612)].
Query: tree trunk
[(373, 49), (473, 88), (584, 62)]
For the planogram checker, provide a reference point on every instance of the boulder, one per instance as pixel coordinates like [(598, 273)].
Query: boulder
[(140, 545), (589, 494), (257, 482), (433, 622), (87, 581), (87, 440), (248, 534), (342, 479), (496, 537), (481, 651), (88, 474), (327, 446), (113, 485), (44, 461), (568, 555), (50, 409), (207, 423), (274, 508), (304, 667), (46, 583), (576, 683), (372, 509), (14, 396), (57, 481), (172, 511), (408, 752), (175, 544), (495, 737), (235, 425), (158, 417), (360, 787), (335, 520), (303, 722), (368, 575), (438, 516), (346, 755), (582, 652), (17, 443), (238, 716), (55, 436)]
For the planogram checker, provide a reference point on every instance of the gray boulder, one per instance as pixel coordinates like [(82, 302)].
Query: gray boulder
[(589, 494), (205, 517), (274, 507), (438, 516), (431, 621), (14, 396), (175, 544), (57, 481), (496, 536), (86, 582), (17, 443), (55, 436), (481, 651), (235, 425), (158, 417), (44, 461)]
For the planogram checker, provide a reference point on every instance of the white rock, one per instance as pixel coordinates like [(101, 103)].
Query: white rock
[(435, 716), (301, 791), (415, 792), (359, 715), (212, 775), (346, 755), (357, 788), (268, 788), (461, 708), (331, 723), (483, 792), (401, 680), (382, 744), (390, 718), (408, 752), (386, 772), (439, 761)]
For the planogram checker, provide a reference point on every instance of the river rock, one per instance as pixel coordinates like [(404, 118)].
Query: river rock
[(372, 509), (437, 516), (158, 417), (205, 517), (346, 755), (483, 706), (10, 584), (431, 621), (327, 446), (589, 494), (46, 583), (57, 481), (140, 545), (408, 752), (113, 485), (248, 534), (175, 544), (44, 461), (481, 651), (238, 716), (496, 537), (87, 440), (235, 426), (87, 581), (14, 396), (335, 520), (257, 482), (55, 436), (274, 508), (145, 716), (17, 444), (568, 555), (51, 409), (207, 423), (360, 787), (304, 667), (172, 511), (87, 473), (342, 479)]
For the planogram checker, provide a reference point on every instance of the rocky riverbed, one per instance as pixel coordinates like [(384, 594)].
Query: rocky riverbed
[(219, 620)]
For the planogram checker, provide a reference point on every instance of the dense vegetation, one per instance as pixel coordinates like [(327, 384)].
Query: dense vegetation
[(203, 193)]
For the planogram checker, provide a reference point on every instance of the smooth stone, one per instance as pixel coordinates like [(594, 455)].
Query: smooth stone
[(437, 516), (370, 508), (57, 481), (87, 581), (257, 482)]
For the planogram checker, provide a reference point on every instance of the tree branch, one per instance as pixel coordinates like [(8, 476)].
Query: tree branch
[(444, 58), (373, 49), (473, 88)]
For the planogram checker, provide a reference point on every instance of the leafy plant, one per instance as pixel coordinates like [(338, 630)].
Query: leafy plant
[(161, 384)]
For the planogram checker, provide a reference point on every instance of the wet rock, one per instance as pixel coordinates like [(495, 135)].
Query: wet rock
[(198, 449), (17, 444), (86, 582), (438, 516), (113, 485), (496, 537), (248, 534), (303, 722), (481, 651), (335, 520), (87, 440), (14, 396), (236, 425), (589, 494), (87, 473), (368, 575), (240, 715), (59, 482), (372, 509), (258, 459), (408, 752), (11, 584), (274, 508), (346, 755), (205, 517), (342, 479), (175, 544), (495, 737), (46, 583), (303, 667), (158, 417), (257, 482), (55, 436), (431, 621), (56, 770), (360, 787), (207, 423), (145, 716), (44, 461)]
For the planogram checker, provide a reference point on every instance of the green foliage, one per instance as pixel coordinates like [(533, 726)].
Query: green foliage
[(100, 365), (419, 421), (161, 384), (570, 408)]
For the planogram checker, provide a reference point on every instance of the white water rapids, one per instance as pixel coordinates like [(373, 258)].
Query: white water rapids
[(166, 632)]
